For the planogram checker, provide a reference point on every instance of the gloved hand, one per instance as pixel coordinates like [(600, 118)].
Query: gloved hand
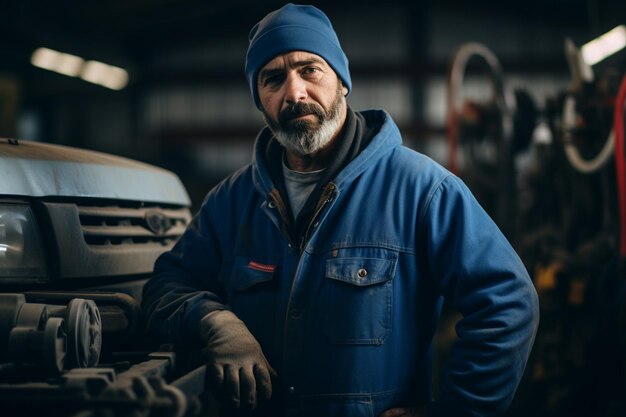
[(237, 368)]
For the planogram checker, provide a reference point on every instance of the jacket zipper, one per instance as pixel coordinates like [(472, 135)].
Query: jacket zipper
[(324, 199), (274, 196)]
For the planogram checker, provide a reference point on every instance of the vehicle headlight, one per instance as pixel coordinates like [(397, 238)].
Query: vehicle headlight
[(21, 250)]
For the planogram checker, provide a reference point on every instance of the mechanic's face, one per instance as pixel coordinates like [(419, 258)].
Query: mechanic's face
[(303, 101)]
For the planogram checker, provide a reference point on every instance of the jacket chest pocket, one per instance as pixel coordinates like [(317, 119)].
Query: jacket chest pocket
[(359, 308), (252, 295)]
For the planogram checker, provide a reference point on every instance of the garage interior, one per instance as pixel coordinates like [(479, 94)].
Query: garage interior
[(508, 95)]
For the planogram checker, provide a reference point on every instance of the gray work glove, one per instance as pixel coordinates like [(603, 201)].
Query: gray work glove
[(237, 368)]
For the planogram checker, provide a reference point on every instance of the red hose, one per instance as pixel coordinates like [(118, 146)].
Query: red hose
[(620, 163)]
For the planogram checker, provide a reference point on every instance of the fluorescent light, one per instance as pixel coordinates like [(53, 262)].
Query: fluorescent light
[(118, 78), (95, 72), (69, 65), (44, 58), (605, 45), (105, 75), (60, 62)]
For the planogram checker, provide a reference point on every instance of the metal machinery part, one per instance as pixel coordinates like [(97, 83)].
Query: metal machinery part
[(84, 333), (49, 336), (502, 99), (586, 166), (581, 73), (156, 386), (486, 133)]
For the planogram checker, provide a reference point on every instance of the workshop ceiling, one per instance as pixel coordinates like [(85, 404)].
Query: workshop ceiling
[(131, 32)]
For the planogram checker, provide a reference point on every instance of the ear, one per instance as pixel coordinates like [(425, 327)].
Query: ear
[(344, 90)]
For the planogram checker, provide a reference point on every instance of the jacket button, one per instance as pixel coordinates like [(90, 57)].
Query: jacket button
[(362, 273), (292, 390)]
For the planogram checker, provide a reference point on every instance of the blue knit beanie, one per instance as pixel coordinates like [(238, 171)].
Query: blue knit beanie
[(294, 28)]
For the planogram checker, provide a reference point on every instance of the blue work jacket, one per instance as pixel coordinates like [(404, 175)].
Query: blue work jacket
[(347, 319)]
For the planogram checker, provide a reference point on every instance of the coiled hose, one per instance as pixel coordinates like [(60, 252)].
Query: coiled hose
[(580, 164), (502, 98)]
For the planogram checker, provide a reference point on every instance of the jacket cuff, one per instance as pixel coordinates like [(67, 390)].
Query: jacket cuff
[(194, 315)]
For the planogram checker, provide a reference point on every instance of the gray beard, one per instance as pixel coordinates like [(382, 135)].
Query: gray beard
[(305, 139)]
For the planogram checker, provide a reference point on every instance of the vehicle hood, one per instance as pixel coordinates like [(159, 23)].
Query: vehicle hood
[(42, 170)]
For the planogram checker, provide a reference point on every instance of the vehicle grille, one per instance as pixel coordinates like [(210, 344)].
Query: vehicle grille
[(113, 225)]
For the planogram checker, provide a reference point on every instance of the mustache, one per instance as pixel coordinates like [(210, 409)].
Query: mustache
[(299, 109)]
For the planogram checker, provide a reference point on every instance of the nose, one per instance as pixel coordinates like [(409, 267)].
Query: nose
[(295, 89)]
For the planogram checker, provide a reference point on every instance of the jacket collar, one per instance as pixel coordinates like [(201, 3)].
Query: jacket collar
[(387, 138)]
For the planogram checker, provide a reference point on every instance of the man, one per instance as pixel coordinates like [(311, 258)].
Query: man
[(313, 278)]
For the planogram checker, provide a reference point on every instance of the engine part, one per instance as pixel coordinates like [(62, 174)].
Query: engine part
[(84, 333), (49, 336), (38, 339)]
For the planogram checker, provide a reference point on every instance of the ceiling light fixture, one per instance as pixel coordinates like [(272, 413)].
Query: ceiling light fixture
[(60, 62), (105, 75), (604, 46), (95, 72)]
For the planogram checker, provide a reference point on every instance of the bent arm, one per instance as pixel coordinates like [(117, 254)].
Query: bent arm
[(474, 265), (184, 287)]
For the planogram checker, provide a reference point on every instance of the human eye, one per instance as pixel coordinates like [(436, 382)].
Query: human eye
[(311, 70), (272, 80)]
